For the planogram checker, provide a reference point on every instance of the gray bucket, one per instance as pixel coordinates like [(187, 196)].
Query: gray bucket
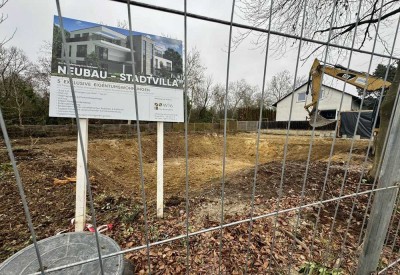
[(65, 249)]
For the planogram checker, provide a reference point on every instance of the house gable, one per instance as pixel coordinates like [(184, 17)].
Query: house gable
[(329, 103)]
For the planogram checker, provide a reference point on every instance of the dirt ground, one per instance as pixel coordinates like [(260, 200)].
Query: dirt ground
[(114, 168)]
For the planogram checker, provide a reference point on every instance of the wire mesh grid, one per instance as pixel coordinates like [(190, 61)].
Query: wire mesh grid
[(332, 206)]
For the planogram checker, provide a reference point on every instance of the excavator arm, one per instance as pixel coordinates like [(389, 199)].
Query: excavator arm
[(358, 79)]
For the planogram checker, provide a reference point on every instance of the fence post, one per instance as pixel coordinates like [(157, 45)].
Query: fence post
[(384, 201)]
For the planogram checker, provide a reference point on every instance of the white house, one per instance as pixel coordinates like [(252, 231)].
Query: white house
[(328, 105)]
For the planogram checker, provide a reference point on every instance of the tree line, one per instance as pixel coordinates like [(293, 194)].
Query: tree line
[(24, 91)]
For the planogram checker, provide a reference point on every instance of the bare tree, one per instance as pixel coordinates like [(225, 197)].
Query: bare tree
[(202, 95), (218, 98), (3, 17), (240, 94), (14, 75), (287, 18), (195, 75), (266, 101), (249, 98), (41, 71), (279, 86), (123, 24)]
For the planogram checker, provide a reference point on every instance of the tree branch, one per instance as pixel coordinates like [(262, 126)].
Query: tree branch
[(349, 27), (5, 40), (366, 33)]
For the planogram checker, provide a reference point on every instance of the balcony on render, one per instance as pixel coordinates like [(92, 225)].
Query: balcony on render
[(97, 37), (165, 69), (77, 39)]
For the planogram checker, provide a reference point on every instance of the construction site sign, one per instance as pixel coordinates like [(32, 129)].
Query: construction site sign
[(101, 68)]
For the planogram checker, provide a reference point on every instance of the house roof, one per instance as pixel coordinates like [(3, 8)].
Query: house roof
[(326, 86)]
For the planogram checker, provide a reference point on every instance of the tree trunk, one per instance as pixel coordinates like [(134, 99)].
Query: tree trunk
[(20, 117), (385, 113)]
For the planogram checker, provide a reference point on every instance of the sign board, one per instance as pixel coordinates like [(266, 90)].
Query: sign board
[(101, 67)]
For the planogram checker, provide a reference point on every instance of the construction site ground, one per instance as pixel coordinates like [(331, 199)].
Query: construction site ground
[(326, 240)]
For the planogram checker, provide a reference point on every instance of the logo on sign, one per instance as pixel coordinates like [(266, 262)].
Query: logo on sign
[(162, 106), (361, 80), (347, 76)]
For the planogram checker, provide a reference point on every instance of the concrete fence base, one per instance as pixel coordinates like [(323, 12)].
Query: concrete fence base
[(100, 130)]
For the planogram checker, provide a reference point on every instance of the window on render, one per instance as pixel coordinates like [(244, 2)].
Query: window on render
[(81, 51), (101, 52), (96, 37), (301, 97), (77, 35), (85, 35), (144, 56), (152, 58), (70, 50)]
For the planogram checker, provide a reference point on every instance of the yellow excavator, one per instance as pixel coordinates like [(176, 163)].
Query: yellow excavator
[(358, 79)]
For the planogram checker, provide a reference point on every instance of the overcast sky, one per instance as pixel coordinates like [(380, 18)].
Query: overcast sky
[(33, 22)]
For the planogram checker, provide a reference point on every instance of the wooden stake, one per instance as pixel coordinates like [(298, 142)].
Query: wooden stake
[(81, 184), (160, 169)]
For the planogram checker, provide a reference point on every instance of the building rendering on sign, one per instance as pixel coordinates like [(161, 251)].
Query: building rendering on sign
[(101, 59), (329, 103), (99, 46), (109, 50), (160, 63)]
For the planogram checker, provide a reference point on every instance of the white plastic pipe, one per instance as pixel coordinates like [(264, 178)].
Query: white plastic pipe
[(160, 169), (80, 205)]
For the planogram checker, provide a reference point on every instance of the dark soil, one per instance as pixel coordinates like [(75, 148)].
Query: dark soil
[(273, 249)]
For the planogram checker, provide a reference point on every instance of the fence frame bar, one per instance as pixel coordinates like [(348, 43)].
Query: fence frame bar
[(384, 201), (225, 225), (247, 27)]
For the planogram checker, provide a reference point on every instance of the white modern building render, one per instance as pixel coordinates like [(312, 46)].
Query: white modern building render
[(110, 50), (109, 46), (328, 105)]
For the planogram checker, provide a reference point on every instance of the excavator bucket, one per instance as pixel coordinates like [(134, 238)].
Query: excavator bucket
[(319, 121)]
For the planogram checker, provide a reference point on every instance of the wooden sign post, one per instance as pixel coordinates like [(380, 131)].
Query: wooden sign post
[(81, 184), (160, 169)]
